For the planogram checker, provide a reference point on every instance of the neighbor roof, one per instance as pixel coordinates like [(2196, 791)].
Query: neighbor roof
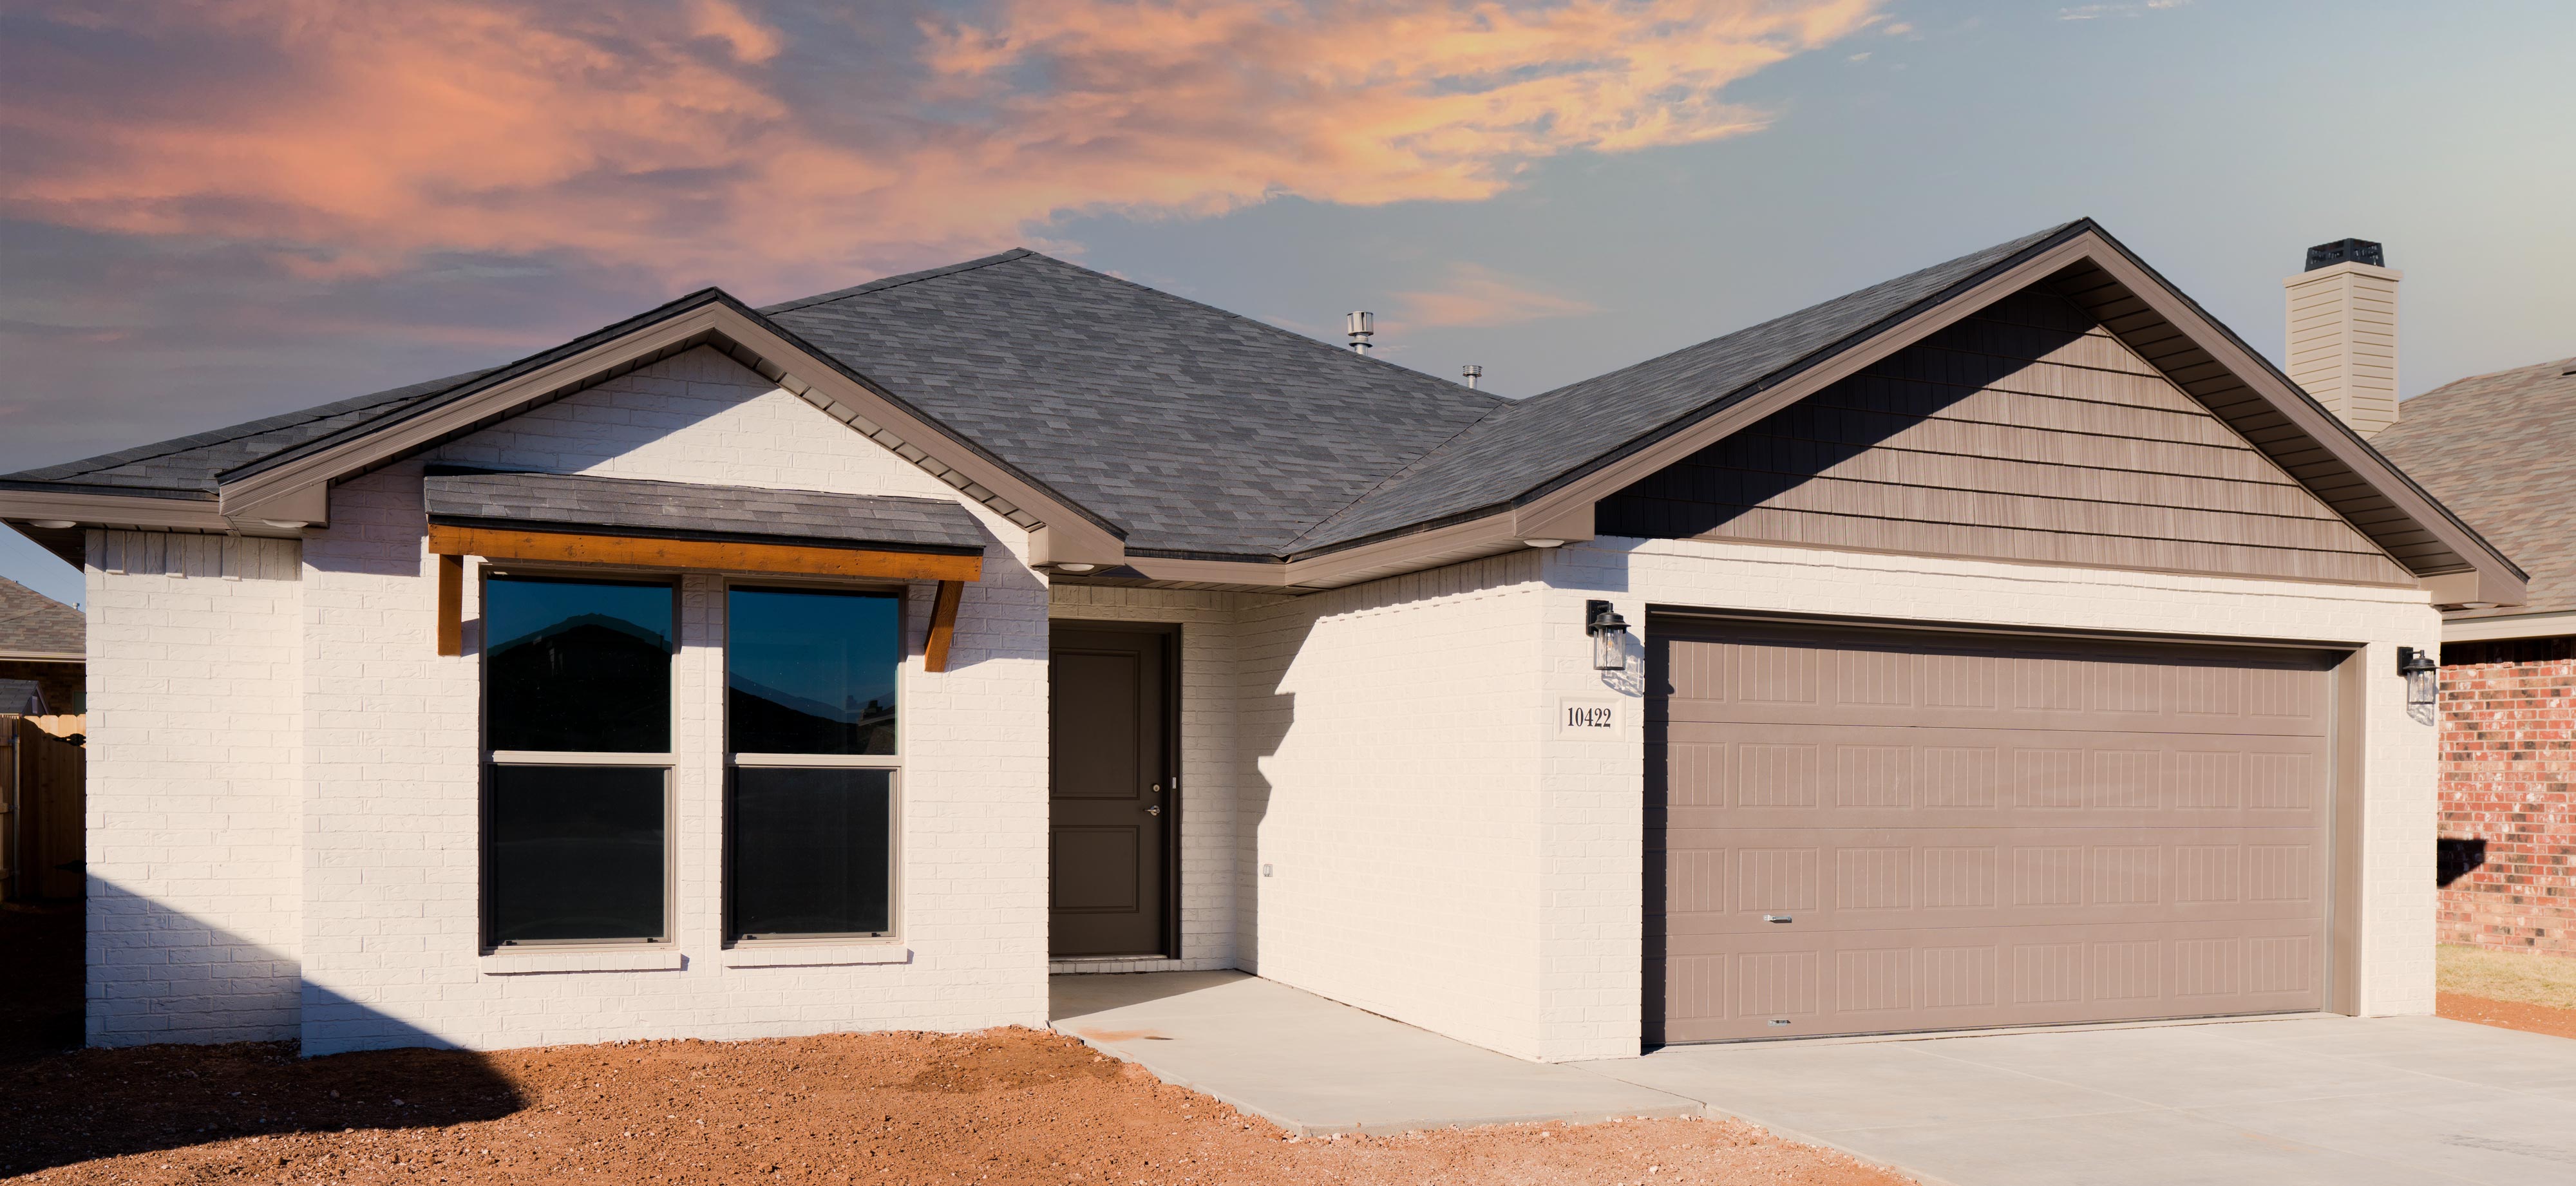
[(34, 624), (2500, 450), (682, 510)]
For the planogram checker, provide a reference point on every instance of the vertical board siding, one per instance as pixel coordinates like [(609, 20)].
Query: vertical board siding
[(2025, 432)]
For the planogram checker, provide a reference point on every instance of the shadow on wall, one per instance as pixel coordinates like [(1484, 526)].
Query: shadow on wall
[(157, 974), (66, 1106)]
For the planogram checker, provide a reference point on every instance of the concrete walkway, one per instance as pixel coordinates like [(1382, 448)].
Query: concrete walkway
[(2326, 1100), (2285, 1102), (1313, 1066)]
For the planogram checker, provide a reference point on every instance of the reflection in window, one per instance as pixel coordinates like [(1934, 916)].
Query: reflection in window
[(577, 665), (811, 672), (811, 851), (575, 852)]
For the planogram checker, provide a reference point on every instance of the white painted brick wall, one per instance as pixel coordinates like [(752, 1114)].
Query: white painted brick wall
[(391, 932), (1210, 782), (1391, 767), (192, 812)]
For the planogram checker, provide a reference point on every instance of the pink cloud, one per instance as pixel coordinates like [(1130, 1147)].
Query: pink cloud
[(1476, 296), (708, 137)]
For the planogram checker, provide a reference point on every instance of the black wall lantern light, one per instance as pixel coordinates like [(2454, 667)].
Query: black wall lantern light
[(2421, 690), (1609, 634)]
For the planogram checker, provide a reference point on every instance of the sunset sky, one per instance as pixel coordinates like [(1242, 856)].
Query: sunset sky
[(211, 212)]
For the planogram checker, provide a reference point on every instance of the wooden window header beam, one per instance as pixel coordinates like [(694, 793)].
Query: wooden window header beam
[(565, 547)]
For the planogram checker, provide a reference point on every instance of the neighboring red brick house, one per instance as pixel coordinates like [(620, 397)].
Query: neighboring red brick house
[(2500, 449)]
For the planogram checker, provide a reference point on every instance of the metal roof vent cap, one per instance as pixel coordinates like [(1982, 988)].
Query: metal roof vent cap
[(2346, 251), (1471, 372), (1361, 326)]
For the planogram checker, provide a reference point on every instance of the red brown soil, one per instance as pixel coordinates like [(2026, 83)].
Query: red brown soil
[(2512, 1015), (1003, 1106)]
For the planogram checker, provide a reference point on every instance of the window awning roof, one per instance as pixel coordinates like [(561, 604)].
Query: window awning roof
[(629, 507)]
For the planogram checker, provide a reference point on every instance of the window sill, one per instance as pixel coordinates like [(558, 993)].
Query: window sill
[(529, 963), (791, 954)]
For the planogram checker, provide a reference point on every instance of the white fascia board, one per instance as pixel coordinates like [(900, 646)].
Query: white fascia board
[(2518, 626), (91, 508)]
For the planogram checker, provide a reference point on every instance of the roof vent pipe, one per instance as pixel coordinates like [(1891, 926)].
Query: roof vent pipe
[(1471, 372), (1360, 326)]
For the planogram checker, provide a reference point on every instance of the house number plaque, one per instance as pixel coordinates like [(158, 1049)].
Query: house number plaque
[(1590, 716)]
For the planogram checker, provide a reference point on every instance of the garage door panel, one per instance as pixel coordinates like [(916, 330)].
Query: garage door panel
[(1862, 831), (1796, 677), (1727, 880), (1870, 981), (1756, 775)]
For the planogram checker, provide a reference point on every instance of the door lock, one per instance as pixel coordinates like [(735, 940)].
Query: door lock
[(1156, 809)]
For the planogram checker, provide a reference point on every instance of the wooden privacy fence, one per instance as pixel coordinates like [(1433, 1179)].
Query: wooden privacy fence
[(43, 776)]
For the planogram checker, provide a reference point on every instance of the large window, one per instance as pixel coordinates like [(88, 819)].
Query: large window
[(577, 722), (810, 682)]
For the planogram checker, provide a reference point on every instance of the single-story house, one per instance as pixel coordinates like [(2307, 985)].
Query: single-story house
[(41, 652), (2501, 449), (2003, 643)]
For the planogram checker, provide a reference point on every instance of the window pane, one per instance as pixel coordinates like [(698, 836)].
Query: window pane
[(576, 853), (811, 851), (578, 665), (811, 673)]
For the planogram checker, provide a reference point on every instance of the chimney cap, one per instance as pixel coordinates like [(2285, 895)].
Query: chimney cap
[(2346, 251)]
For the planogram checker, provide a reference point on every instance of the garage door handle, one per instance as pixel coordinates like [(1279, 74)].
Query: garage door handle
[(1775, 918)]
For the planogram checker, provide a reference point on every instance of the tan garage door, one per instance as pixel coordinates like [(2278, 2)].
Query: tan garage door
[(1856, 831)]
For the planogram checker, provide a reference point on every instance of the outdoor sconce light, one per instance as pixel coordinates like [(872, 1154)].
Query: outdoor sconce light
[(1609, 634), (2418, 669)]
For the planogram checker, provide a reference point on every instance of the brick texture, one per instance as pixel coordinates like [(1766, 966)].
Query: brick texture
[(2508, 759)]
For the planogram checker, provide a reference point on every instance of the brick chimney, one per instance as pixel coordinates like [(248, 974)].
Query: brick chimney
[(2343, 332)]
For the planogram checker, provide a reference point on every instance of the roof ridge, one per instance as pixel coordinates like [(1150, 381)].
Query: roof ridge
[(898, 280)]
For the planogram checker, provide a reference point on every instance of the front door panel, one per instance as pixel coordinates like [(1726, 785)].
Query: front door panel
[(1112, 802)]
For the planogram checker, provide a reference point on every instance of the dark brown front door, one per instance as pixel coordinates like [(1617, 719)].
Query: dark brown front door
[(1112, 796)]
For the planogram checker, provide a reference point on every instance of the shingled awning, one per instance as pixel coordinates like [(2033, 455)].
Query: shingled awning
[(578, 519)]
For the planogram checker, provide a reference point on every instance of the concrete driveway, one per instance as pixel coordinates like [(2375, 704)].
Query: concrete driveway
[(2340, 1101)]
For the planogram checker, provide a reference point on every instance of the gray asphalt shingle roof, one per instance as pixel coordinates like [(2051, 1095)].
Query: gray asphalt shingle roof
[(1194, 430), (682, 510), (22, 696), (1525, 446), (32, 623), (190, 465), (2500, 451)]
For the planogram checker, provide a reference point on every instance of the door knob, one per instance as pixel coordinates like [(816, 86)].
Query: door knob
[(1156, 809)]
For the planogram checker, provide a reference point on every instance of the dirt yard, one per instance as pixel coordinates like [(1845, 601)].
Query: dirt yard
[(1003, 1106), (2509, 989)]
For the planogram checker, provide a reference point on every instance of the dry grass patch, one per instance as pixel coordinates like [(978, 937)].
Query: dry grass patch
[(2548, 980)]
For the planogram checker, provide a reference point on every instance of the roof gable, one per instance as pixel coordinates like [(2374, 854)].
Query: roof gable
[(2022, 432)]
